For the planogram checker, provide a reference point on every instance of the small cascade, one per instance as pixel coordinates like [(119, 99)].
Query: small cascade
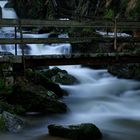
[(7, 13), (43, 49), (30, 49), (2, 4), (7, 32)]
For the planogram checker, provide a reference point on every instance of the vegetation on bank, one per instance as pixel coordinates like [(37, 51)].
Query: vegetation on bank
[(44, 9)]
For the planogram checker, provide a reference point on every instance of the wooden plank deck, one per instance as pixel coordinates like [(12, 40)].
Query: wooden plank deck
[(73, 59), (44, 40), (68, 40)]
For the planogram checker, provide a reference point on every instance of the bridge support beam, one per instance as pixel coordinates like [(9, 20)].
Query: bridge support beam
[(115, 34), (15, 38)]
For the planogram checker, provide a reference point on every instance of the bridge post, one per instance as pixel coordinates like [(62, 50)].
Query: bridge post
[(115, 34), (15, 38), (22, 45)]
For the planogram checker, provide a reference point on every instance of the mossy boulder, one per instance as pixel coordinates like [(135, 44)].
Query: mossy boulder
[(35, 98), (129, 71), (10, 123), (39, 78), (60, 76), (76, 132)]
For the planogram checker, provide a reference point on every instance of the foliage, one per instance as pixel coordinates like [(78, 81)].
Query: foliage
[(2, 85), (134, 14), (4, 66), (35, 9), (109, 13), (14, 109), (5, 89)]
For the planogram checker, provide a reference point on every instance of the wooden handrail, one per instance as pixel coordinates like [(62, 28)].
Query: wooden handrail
[(68, 40), (128, 24)]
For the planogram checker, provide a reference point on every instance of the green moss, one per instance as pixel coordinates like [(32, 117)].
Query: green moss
[(5, 89), (109, 13), (1, 84)]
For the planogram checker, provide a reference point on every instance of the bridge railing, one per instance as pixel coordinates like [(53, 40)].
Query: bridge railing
[(103, 23), (113, 24)]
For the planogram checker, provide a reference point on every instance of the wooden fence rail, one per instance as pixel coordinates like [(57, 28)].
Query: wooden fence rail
[(68, 40), (113, 24), (127, 24)]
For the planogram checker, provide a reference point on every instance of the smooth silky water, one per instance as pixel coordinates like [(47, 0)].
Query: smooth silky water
[(110, 103)]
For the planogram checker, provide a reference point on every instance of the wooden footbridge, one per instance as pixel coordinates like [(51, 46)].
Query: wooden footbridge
[(116, 25)]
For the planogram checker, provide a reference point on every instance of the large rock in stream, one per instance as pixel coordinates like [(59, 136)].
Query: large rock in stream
[(35, 98), (85, 131), (39, 78), (128, 71), (60, 76), (10, 122)]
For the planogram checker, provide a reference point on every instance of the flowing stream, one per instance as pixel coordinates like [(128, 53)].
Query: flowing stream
[(110, 103)]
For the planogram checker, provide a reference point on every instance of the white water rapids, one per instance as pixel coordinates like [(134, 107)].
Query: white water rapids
[(110, 103)]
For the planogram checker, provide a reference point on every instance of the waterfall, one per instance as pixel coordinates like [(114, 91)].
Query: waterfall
[(30, 49), (7, 32), (7, 12)]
